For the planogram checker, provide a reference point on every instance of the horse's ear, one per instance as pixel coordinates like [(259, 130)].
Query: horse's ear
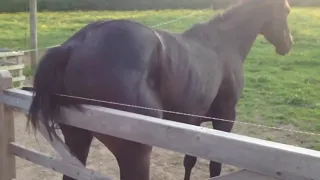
[(289, 2), (240, 1)]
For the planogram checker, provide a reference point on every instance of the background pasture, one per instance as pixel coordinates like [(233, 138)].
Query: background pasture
[(279, 91), (64, 5)]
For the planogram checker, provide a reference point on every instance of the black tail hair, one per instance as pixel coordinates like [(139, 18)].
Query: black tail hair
[(30, 89), (48, 81)]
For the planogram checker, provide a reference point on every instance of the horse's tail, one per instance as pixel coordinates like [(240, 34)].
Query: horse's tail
[(48, 81)]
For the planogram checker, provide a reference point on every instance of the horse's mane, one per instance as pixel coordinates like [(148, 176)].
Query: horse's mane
[(236, 8), (229, 18), (219, 17)]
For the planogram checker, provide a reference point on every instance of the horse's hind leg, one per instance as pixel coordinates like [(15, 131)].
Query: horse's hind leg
[(78, 141), (133, 158), (134, 161)]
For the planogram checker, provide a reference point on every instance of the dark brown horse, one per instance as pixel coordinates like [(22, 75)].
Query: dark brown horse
[(199, 72)]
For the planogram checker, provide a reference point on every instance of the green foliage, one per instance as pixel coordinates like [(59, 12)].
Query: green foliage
[(64, 5), (279, 90)]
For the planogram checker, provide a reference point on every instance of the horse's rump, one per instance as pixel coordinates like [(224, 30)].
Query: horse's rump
[(110, 61)]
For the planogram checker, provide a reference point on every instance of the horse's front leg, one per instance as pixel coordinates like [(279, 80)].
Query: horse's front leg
[(228, 113), (190, 161)]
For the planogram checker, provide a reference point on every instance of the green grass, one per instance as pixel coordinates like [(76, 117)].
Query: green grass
[(278, 90)]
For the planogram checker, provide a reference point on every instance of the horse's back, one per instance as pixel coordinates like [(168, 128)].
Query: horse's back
[(113, 63)]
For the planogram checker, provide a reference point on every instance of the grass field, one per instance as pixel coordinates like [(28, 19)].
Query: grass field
[(278, 90)]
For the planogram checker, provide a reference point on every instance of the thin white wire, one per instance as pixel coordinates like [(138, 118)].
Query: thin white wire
[(156, 25), (185, 114), (193, 115), (183, 17)]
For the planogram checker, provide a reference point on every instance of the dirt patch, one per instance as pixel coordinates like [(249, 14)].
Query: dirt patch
[(166, 165)]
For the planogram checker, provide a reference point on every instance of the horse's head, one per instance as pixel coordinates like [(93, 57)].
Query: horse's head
[(276, 29)]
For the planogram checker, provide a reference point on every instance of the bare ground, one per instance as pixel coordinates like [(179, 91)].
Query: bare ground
[(166, 165)]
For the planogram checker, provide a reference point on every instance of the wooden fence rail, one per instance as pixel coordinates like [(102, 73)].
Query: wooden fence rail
[(260, 159), (13, 62)]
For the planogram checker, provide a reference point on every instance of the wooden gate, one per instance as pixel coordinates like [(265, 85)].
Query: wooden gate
[(259, 159)]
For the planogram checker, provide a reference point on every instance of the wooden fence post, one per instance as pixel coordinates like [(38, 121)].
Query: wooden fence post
[(33, 33), (7, 160)]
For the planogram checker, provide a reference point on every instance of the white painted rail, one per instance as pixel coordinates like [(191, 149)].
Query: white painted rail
[(262, 157)]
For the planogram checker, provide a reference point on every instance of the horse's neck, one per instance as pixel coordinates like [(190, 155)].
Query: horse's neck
[(241, 37), (234, 33), (240, 29)]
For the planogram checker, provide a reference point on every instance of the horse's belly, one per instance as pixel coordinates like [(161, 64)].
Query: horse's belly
[(188, 106)]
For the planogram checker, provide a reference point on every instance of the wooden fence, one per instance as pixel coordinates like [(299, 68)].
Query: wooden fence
[(259, 159), (13, 62)]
